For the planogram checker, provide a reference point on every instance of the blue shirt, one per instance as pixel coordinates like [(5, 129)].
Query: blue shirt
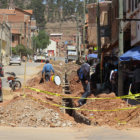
[(47, 68)]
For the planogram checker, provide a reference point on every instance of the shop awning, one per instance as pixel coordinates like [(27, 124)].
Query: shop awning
[(132, 54), (93, 55)]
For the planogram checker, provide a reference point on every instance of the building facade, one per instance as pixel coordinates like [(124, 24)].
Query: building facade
[(20, 24), (133, 12), (51, 48), (5, 43), (105, 21)]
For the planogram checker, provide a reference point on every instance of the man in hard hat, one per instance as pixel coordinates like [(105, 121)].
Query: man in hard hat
[(48, 68)]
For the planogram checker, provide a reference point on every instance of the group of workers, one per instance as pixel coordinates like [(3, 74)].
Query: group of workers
[(109, 78)]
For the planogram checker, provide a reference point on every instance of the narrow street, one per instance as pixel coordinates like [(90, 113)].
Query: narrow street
[(97, 133), (31, 69), (77, 70)]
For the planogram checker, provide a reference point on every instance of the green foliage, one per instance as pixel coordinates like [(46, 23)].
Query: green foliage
[(19, 4), (41, 41), (39, 10), (14, 51), (21, 50), (3, 3), (55, 9)]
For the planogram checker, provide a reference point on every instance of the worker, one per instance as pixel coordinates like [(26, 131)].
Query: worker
[(48, 68), (136, 79), (84, 76)]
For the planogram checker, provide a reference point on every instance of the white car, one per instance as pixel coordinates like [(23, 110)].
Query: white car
[(39, 58), (15, 60)]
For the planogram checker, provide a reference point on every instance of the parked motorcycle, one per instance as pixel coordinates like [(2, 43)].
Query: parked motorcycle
[(14, 84)]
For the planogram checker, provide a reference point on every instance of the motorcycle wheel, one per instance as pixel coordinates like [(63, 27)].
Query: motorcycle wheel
[(17, 85)]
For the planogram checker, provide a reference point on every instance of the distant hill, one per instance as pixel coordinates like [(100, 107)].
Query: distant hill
[(56, 16), (55, 10)]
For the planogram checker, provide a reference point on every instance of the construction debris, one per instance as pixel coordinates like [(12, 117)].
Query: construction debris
[(27, 112)]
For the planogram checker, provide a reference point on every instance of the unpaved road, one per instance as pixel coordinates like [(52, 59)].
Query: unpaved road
[(31, 69), (90, 133)]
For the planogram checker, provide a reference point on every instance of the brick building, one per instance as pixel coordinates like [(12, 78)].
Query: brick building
[(5, 43), (20, 24), (105, 20), (133, 12)]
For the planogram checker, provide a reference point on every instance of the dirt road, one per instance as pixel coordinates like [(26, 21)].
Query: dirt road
[(90, 133), (31, 69)]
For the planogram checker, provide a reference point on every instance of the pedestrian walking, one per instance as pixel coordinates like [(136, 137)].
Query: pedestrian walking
[(48, 68), (84, 76)]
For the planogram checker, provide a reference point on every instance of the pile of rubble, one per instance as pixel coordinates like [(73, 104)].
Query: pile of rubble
[(25, 112), (34, 108)]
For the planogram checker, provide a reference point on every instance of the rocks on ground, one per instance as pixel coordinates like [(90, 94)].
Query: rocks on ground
[(25, 112)]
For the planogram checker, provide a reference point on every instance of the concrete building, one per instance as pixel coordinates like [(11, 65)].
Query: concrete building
[(105, 20), (56, 36), (133, 12), (51, 49), (5, 43)]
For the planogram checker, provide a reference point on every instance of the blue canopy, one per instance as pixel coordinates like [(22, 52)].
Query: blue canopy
[(93, 55), (132, 54)]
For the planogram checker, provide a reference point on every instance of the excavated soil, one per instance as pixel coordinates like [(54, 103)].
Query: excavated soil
[(37, 109), (26, 112), (118, 119)]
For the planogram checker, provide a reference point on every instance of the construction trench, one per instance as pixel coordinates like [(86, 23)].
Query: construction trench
[(41, 109), (68, 102)]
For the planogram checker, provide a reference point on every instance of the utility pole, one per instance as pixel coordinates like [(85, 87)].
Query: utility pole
[(84, 12), (121, 43), (98, 30), (77, 40), (1, 43), (99, 39)]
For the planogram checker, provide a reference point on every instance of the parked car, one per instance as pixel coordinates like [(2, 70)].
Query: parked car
[(39, 58), (1, 71), (15, 60)]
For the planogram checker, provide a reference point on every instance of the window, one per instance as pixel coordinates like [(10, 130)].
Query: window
[(13, 38)]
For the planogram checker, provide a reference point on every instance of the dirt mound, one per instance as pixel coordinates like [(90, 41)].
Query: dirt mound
[(25, 112), (123, 118), (47, 86), (120, 119)]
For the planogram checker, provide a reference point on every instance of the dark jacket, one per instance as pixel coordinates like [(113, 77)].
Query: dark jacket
[(136, 77), (85, 71)]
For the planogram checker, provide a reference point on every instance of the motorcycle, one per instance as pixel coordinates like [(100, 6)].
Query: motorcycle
[(14, 84)]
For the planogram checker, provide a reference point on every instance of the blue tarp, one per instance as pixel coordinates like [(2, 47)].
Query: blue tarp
[(132, 54), (93, 55)]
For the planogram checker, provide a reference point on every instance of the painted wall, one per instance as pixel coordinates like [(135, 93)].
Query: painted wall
[(51, 48)]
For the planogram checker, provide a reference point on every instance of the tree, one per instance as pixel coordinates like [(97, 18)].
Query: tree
[(41, 41), (39, 10), (21, 50), (3, 3)]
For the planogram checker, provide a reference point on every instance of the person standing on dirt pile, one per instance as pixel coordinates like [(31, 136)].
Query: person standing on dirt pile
[(47, 69), (84, 76), (136, 79), (114, 81)]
